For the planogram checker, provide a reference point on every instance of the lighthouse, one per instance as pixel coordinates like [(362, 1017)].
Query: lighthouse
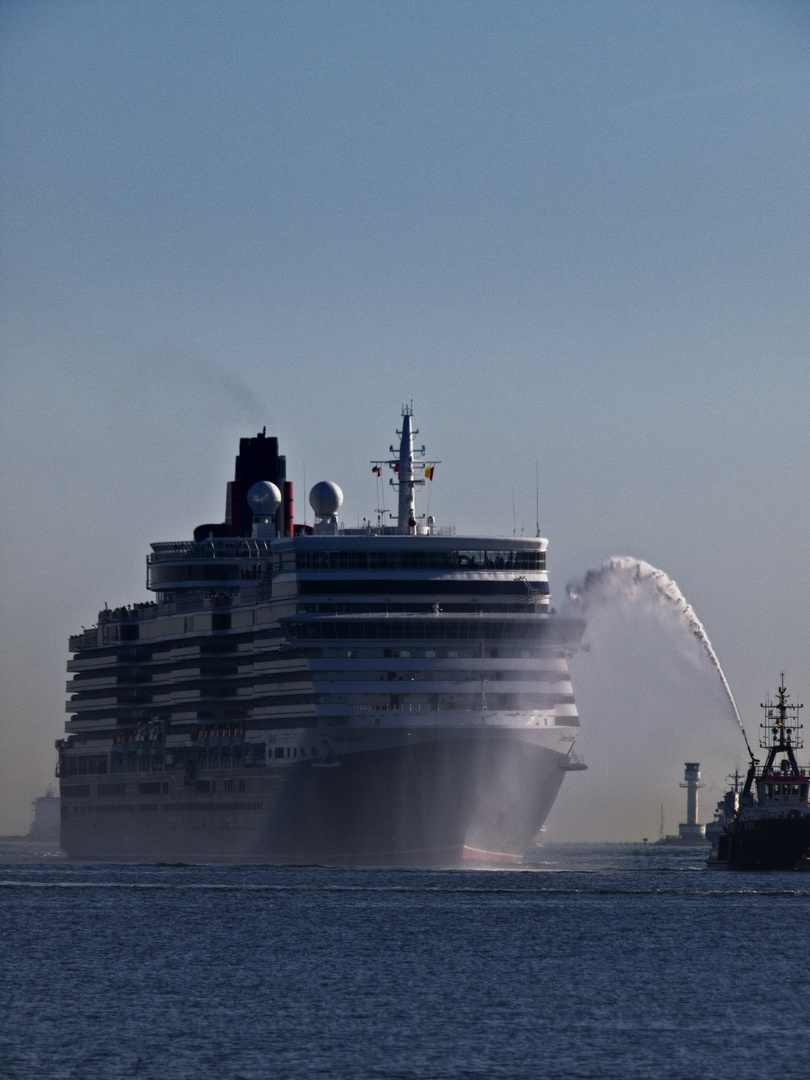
[(691, 832)]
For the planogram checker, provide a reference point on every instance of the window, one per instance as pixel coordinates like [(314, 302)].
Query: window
[(113, 789), (75, 791)]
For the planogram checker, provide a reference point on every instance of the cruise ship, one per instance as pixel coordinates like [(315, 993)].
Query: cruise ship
[(387, 695)]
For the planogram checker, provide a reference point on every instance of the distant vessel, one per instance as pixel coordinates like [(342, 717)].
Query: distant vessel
[(45, 825), (767, 825), (381, 695), (726, 808)]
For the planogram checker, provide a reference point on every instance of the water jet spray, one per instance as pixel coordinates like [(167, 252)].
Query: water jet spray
[(626, 576)]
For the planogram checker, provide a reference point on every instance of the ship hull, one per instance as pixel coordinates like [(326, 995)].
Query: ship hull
[(769, 844), (420, 805)]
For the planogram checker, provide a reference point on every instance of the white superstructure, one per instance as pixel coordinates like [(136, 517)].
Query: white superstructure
[(378, 695)]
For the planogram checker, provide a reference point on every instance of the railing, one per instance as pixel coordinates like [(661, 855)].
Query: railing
[(240, 547), (149, 609), (83, 641)]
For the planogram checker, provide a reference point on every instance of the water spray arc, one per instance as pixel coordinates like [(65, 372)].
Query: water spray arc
[(624, 576)]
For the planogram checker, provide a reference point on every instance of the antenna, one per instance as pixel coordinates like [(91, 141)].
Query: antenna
[(537, 497)]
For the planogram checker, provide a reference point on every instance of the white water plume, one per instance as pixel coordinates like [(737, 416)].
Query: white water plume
[(624, 578)]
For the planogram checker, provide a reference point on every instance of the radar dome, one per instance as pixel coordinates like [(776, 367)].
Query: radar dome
[(264, 498), (326, 499)]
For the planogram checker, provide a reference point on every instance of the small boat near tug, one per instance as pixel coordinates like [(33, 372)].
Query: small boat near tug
[(769, 826)]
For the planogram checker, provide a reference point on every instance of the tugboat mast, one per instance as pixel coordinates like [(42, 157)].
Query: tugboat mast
[(785, 730), (780, 734)]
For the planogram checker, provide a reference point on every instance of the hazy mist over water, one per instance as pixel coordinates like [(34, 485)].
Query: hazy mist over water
[(651, 695), (624, 579), (574, 234)]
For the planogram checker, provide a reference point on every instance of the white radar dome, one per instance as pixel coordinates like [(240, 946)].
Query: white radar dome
[(264, 498), (326, 499)]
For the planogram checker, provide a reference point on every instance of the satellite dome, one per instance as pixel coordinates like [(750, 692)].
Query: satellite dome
[(264, 498), (326, 499)]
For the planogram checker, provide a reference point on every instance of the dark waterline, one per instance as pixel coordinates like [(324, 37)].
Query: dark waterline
[(602, 963)]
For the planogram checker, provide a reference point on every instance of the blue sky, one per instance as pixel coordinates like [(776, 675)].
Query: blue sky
[(575, 234)]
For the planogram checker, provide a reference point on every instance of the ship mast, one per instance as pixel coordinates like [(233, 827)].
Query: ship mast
[(405, 480), (405, 467)]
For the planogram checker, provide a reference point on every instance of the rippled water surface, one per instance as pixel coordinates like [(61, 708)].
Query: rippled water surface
[(602, 963)]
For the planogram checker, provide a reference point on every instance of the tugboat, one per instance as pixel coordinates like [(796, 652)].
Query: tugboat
[(770, 829)]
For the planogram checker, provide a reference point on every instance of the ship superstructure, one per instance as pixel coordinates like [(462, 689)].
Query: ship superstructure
[(388, 695)]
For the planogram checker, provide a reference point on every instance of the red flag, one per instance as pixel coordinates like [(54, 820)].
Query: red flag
[(429, 471)]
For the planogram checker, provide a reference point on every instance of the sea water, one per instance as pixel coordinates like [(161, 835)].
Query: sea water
[(625, 962)]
